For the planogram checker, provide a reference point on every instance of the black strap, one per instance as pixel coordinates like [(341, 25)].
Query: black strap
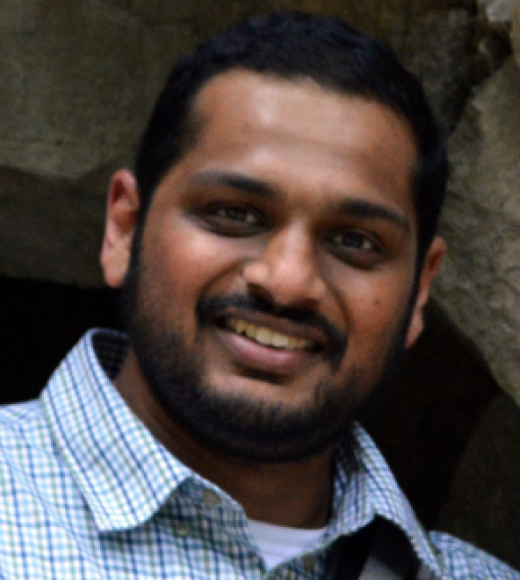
[(381, 551)]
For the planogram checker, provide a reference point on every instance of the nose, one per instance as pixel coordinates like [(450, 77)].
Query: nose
[(286, 271)]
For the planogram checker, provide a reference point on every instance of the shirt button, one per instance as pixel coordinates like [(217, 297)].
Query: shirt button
[(308, 564), (182, 530), (211, 498)]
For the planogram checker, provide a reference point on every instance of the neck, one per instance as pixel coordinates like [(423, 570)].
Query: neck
[(296, 494)]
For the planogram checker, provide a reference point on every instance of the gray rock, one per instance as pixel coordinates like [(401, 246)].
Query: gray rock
[(50, 228), (439, 50), (80, 80), (497, 11), (423, 420), (515, 34), (77, 82), (483, 506), (479, 283)]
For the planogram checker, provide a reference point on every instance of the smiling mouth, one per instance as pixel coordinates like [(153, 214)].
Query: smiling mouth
[(266, 337)]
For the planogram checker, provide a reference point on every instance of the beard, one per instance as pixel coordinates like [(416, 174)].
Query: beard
[(233, 424)]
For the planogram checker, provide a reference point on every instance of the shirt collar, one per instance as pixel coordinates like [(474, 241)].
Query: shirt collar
[(371, 491), (124, 474)]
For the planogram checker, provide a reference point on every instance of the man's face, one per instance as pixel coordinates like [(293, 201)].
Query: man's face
[(273, 285)]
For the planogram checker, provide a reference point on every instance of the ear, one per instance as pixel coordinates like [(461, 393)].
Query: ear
[(121, 218), (432, 261)]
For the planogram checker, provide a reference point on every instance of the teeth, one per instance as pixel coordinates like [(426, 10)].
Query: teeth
[(240, 326), (263, 336), (267, 337)]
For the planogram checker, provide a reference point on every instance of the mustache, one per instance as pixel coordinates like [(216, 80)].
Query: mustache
[(208, 308)]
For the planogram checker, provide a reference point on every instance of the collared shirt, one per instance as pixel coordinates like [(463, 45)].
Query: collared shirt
[(86, 492)]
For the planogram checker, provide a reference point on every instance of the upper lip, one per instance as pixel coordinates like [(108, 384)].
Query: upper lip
[(279, 325)]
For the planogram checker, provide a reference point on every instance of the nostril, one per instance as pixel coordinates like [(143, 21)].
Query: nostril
[(259, 290)]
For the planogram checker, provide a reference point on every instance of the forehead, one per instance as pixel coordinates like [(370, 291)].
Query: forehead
[(302, 136)]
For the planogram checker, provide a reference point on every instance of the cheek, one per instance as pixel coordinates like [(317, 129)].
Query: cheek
[(193, 263), (377, 309)]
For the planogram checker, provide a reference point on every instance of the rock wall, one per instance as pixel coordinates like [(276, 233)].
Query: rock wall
[(78, 81), (479, 284)]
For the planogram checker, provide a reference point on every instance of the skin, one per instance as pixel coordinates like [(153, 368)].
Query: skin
[(275, 201)]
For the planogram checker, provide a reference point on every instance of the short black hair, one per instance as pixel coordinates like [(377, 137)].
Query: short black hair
[(294, 45)]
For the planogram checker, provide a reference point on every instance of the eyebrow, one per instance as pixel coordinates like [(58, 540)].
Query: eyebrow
[(246, 184), (355, 207), (369, 210)]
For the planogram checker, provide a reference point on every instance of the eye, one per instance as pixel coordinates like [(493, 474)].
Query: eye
[(232, 220), (354, 247), (238, 214), (355, 240)]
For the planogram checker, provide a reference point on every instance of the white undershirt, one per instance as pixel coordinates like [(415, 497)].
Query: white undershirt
[(278, 543)]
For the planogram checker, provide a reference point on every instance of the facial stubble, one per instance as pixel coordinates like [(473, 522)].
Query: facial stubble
[(233, 424)]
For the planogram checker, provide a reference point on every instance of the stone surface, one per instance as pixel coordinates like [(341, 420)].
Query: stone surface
[(91, 72), (479, 282), (423, 421), (77, 82), (483, 505), (493, 40), (497, 11), (438, 49), (515, 34), (50, 227)]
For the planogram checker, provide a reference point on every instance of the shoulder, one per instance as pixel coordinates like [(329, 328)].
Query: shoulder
[(42, 511), (26, 446), (20, 424), (463, 561)]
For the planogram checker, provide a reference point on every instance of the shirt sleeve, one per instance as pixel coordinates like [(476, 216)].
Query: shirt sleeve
[(463, 561)]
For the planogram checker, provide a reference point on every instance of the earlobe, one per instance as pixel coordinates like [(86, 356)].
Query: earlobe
[(121, 217), (431, 264)]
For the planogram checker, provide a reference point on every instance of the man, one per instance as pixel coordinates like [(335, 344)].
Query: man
[(276, 249)]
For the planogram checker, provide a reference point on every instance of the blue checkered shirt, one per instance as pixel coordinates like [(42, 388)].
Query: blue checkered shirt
[(86, 492)]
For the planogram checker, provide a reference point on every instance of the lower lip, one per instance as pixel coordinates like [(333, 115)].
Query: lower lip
[(249, 353)]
